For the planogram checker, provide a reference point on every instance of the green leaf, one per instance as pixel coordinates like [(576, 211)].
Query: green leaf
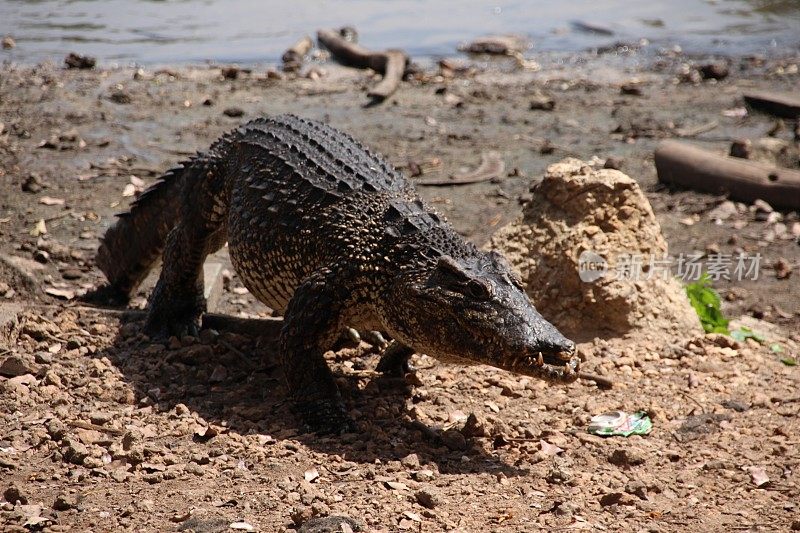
[(744, 333), (776, 348), (707, 305), (789, 361)]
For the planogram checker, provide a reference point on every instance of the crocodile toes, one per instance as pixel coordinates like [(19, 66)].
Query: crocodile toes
[(161, 330)]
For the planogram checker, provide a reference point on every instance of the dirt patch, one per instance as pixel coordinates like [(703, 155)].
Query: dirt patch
[(588, 248)]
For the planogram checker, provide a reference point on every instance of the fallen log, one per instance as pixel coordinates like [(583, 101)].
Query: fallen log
[(694, 168), (293, 57), (780, 105), (390, 63)]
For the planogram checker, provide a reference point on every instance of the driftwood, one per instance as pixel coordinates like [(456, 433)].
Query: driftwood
[(293, 57), (390, 63), (695, 168), (491, 167), (781, 105)]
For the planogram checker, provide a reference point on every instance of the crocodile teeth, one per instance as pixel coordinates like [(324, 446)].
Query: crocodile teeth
[(568, 369), (541, 359)]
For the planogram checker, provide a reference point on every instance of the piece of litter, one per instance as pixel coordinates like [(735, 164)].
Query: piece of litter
[(311, 474), (759, 475), (620, 423), (549, 449)]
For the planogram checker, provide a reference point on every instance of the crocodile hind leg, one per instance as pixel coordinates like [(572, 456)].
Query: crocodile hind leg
[(312, 323), (177, 301)]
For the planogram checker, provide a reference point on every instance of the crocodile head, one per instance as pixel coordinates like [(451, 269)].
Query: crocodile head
[(475, 311)]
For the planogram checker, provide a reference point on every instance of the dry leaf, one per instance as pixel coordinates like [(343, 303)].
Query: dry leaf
[(39, 229), (396, 485), (49, 200), (550, 449)]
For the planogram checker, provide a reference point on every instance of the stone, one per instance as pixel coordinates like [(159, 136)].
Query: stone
[(454, 439), (616, 498), (426, 498), (723, 211), (74, 451), (626, 457), (13, 495), (43, 358), (475, 427), (65, 502), (14, 366), (328, 524), (410, 461)]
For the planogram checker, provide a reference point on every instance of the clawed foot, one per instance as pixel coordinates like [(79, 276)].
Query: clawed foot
[(178, 318), (326, 417), (161, 330), (170, 315)]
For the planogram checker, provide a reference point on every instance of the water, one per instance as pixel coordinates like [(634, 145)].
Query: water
[(249, 31)]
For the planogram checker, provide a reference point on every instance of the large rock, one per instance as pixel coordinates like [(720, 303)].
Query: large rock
[(577, 214)]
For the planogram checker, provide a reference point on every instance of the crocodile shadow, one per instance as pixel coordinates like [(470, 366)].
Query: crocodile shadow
[(236, 382)]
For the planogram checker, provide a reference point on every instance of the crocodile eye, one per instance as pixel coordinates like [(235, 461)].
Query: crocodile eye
[(478, 290)]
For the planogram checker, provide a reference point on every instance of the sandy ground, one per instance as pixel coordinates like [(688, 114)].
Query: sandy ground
[(101, 431)]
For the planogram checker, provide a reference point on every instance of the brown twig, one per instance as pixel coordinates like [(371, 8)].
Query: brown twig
[(87, 425), (696, 130), (491, 167)]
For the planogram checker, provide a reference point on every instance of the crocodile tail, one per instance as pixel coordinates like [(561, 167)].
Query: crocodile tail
[(132, 246)]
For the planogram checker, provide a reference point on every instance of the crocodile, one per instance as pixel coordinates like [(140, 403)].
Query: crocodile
[(329, 235)]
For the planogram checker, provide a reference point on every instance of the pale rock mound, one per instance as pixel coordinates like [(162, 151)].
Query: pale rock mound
[(577, 210)]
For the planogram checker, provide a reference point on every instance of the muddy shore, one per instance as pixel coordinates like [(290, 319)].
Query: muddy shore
[(197, 435)]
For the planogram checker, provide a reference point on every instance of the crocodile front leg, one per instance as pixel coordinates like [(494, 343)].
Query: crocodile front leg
[(312, 322)]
